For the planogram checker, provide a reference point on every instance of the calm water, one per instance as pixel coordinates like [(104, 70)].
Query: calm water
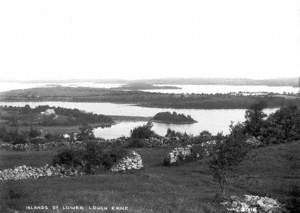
[(209, 89), (212, 120)]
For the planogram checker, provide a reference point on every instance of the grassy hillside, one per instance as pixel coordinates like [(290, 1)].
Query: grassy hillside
[(272, 171)]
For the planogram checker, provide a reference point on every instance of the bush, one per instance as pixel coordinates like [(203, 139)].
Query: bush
[(282, 126), (70, 157), (172, 133), (142, 132), (136, 143), (91, 157), (279, 127), (20, 139), (112, 156)]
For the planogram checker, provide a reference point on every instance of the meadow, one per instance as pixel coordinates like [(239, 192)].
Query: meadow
[(268, 171)]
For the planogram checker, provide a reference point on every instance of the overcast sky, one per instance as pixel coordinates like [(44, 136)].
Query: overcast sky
[(59, 39)]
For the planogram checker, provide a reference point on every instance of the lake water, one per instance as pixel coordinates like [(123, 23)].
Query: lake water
[(208, 89), (214, 120)]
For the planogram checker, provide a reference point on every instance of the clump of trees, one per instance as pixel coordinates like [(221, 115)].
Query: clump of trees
[(142, 132), (279, 127), (63, 116), (176, 118), (139, 134), (15, 136), (91, 157)]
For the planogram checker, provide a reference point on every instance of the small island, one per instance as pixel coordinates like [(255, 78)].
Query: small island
[(173, 118)]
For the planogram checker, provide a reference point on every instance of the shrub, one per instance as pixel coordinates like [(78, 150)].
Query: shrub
[(282, 126), (112, 156), (70, 157), (142, 132), (19, 139), (91, 157), (136, 143)]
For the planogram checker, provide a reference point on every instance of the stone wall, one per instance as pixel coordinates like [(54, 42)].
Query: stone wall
[(251, 203), (178, 154), (28, 172), (132, 161)]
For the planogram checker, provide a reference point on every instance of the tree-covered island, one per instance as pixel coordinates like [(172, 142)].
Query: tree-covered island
[(173, 118)]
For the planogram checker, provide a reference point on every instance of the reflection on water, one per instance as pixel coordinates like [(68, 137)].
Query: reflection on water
[(214, 120), (117, 130)]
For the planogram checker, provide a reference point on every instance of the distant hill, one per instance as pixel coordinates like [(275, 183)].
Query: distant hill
[(197, 81), (225, 81)]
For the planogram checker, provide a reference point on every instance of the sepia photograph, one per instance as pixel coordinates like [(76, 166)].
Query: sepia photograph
[(162, 106)]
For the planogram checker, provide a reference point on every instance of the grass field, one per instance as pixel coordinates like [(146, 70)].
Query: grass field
[(272, 171)]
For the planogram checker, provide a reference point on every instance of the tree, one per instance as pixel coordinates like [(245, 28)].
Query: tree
[(282, 125), (255, 119), (228, 153), (142, 132)]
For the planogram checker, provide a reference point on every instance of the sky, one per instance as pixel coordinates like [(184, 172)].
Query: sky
[(134, 39)]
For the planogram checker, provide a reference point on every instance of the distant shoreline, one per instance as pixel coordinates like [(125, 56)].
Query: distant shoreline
[(144, 99), (284, 81)]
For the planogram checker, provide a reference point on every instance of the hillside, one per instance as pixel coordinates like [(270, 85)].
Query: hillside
[(272, 171)]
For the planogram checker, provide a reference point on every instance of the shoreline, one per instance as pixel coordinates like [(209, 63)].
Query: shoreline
[(148, 105), (145, 99)]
